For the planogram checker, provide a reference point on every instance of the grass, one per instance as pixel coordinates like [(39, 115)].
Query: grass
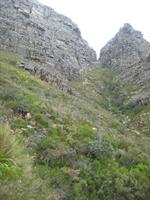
[(15, 165), (89, 145)]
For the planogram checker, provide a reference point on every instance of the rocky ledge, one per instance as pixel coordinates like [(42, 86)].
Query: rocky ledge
[(47, 38)]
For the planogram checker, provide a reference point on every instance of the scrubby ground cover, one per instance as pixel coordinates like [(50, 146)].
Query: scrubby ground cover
[(89, 145)]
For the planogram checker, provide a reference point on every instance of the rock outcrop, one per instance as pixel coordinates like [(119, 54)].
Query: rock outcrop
[(47, 38), (47, 76), (128, 53), (127, 48)]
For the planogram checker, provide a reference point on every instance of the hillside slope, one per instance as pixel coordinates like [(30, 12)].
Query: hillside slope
[(93, 144)]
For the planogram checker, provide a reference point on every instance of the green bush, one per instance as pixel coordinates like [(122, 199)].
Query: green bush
[(41, 119), (107, 180)]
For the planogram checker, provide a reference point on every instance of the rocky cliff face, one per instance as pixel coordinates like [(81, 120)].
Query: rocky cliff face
[(127, 48), (128, 53), (47, 38)]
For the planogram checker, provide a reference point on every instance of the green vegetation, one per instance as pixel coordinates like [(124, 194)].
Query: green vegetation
[(16, 174), (91, 145)]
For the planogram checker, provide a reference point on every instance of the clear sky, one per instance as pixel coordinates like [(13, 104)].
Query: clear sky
[(99, 20)]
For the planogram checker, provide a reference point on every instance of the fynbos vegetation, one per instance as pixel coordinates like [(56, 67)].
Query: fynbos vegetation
[(89, 145)]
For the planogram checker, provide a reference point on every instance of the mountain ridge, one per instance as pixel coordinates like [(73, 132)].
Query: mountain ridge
[(84, 138)]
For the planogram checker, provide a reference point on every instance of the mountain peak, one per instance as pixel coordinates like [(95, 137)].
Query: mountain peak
[(127, 28), (127, 48)]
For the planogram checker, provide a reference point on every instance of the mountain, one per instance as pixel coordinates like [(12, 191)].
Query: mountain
[(87, 138), (128, 55), (127, 48), (52, 41), (92, 144)]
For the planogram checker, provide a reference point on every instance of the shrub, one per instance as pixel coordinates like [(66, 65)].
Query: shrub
[(107, 180), (41, 119)]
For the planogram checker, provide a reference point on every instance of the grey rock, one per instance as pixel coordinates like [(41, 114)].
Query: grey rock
[(46, 75), (127, 48), (47, 38), (128, 53)]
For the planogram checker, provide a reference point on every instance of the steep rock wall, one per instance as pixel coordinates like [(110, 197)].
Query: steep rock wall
[(44, 36)]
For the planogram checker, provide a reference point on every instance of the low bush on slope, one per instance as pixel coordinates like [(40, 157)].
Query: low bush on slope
[(80, 146)]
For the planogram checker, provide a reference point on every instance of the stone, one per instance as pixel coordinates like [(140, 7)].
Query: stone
[(127, 48), (50, 40), (28, 116), (129, 54), (50, 77), (29, 126)]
